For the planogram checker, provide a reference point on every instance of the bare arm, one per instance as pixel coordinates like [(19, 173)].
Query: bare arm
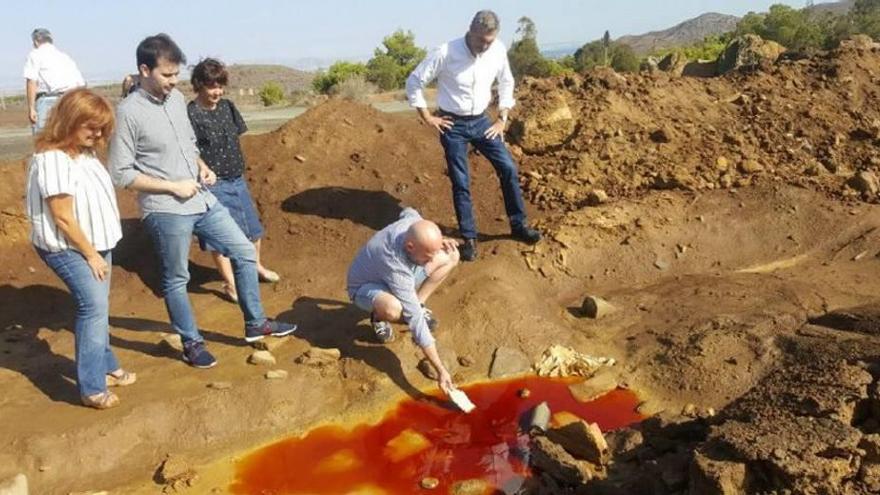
[(444, 380), (61, 209), (31, 93)]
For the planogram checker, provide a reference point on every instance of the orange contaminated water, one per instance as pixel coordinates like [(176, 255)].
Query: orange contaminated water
[(419, 439)]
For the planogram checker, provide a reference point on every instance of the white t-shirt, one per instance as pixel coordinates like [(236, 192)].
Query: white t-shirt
[(52, 69), (52, 173), (464, 82)]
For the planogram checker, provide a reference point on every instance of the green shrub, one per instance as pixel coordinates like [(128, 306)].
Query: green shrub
[(271, 94), (337, 73)]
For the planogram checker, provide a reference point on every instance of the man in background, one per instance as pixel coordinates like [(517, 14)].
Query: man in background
[(48, 72)]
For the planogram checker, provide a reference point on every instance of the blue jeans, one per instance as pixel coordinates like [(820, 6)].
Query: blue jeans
[(94, 359), (172, 235), (43, 105), (455, 143), (235, 196)]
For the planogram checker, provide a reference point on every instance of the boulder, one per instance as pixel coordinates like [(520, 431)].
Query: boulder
[(582, 440), (592, 388), (700, 68), (545, 126), (595, 307), (748, 52), (866, 183), (674, 63), (261, 358), (552, 459), (507, 361)]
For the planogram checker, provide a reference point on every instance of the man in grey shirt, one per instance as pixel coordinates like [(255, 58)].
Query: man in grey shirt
[(396, 272), (153, 152)]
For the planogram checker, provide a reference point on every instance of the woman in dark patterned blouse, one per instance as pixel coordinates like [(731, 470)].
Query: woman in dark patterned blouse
[(217, 125)]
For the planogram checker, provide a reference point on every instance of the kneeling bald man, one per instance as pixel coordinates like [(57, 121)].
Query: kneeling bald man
[(396, 272)]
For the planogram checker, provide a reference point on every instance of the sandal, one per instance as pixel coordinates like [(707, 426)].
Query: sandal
[(269, 276), (230, 292), (104, 400), (121, 378)]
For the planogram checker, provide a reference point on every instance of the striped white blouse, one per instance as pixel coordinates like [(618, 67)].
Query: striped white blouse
[(52, 173)]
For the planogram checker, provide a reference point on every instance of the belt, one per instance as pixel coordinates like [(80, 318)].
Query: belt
[(47, 94), (461, 117)]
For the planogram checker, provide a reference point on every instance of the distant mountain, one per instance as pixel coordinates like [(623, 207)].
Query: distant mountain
[(686, 33), (836, 8), (256, 75)]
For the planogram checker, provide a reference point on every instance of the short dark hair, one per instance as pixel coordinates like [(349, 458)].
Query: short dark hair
[(209, 72), (152, 48)]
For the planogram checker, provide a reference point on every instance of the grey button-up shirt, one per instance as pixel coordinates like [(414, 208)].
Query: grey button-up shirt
[(384, 261), (154, 137)]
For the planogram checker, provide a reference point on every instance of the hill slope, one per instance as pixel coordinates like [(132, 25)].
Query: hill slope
[(685, 33)]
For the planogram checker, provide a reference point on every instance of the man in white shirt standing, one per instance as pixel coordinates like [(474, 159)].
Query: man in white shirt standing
[(48, 72), (465, 69)]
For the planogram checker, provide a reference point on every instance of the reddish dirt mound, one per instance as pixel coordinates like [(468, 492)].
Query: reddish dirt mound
[(813, 123)]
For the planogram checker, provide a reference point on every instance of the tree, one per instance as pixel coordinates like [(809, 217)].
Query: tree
[(606, 43), (394, 60), (865, 17), (525, 57), (337, 73), (271, 94), (796, 29), (619, 56)]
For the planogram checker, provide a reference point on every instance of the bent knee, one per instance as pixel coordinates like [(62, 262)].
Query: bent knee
[(388, 308)]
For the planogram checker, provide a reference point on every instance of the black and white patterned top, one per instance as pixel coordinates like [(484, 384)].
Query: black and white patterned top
[(217, 134)]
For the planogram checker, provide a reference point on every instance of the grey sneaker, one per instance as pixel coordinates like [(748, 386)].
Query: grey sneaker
[(383, 329), (429, 318)]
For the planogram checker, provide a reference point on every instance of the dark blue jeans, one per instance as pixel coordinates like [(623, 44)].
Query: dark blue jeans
[(94, 358), (455, 143), (172, 235)]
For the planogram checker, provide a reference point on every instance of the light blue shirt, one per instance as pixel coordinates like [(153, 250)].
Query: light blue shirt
[(384, 260)]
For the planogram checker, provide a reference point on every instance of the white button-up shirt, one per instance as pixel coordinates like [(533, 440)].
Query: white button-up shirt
[(464, 82), (53, 70)]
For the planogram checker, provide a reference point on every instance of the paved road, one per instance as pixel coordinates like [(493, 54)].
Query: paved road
[(17, 142)]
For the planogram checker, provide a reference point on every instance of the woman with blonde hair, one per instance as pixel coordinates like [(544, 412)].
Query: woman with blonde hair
[(74, 227)]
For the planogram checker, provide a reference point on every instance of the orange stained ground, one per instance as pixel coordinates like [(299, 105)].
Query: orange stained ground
[(419, 439)]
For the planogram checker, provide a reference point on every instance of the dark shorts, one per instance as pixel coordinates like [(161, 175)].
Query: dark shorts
[(235, 196)]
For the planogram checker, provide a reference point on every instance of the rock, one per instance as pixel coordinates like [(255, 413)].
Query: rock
[(471, 487), (711, 477), (662, 135), (220, 385), (524, 393), (869, 474), (507, 361), (17, 485), (264, 358), (175, 472), (171, 343), (597, 197), (465, 361), (674, 63), (553, 460), (319, 357), (429, 483), (722, 164), (689, 410), (601, 383), (582, 440), (300, 158), (661, 264), (546, 126), (277, 375), (595, 307), (427, 369), (750, 167), (748, 52), (622, 443), (866, 183), (539, 418), (871, 445), (699, 68), (270, 345)]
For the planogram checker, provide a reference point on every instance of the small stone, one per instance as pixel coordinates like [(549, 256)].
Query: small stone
[(507, 361), (722, 164), (172, 469), (540, 417), (594, 387), (427, 369), (470, 487), (14, 327), (300, 158), (319, 357), (220, 385), (465, 361), (270, 344), (429, 483), (261, 358), (750, 166), (661, 264), (689, 410), (595, 307), (524, 393), (32, 269), (277, 375), (866, 183), (597, 197)]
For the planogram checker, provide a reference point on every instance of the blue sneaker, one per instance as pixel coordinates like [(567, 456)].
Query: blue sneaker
[(196, 355), (269, 327)]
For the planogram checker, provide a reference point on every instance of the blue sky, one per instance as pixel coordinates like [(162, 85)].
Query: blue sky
[(101, 35)]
